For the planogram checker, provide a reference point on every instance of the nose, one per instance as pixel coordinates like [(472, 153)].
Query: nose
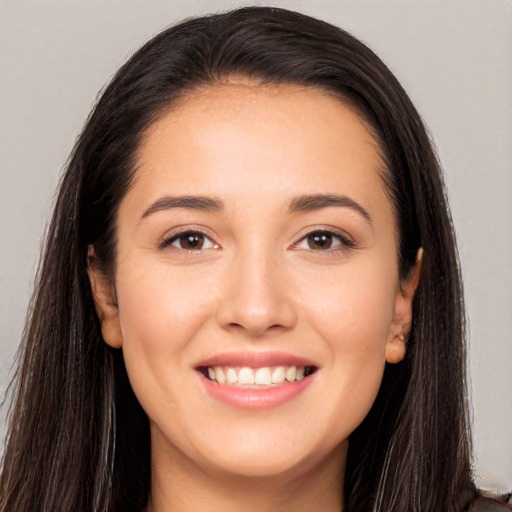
[(257, 298)]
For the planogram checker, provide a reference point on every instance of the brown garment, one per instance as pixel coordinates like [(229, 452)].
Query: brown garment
[(485, 504)]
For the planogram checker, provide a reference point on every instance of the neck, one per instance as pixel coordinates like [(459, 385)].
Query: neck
[(178, 485)]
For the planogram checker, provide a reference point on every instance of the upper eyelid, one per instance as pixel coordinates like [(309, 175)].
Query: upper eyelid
[(325, 229), (178, 231), (174, 236), (344, 243), (175, 233), (184, 229)]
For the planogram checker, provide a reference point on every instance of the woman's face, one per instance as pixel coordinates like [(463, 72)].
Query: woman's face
[(256, 280)]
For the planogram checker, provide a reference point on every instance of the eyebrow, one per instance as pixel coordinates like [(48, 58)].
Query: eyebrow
[(303, 203), (309, 203), (203, 203)]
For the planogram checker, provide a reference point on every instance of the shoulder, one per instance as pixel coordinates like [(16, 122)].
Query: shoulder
[(491, 504)]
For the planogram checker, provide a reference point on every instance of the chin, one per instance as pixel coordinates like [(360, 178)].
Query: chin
[(265, 452)]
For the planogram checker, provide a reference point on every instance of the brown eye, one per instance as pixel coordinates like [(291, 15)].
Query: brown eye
[(325, 241), (191, 241), (320, 241)]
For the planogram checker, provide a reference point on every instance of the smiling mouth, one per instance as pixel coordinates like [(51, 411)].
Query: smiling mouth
[(247, 377)]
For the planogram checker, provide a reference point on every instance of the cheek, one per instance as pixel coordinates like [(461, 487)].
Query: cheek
[(160, 311), (353, 304), (158, 304), (353, 312)]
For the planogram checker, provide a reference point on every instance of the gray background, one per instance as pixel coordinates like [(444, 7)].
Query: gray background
[(454, 59)]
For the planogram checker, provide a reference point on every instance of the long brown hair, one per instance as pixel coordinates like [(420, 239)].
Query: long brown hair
[(78, 439)]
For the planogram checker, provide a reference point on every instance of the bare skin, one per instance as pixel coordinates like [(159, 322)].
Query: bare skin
[(319, 489), (286, 253)]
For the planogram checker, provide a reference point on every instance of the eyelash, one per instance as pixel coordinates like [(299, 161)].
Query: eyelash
[(170, 240), (344, 241)]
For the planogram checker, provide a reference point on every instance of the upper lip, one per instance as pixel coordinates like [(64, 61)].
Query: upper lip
[(256, 359)]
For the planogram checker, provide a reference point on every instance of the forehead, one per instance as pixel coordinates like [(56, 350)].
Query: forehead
[(260, 145), (292, 123)]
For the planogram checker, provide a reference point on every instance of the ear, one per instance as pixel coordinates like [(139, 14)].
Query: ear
[(104, 302), (402, 314)]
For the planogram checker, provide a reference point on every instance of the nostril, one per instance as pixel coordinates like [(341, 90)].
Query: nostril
[(255, 328)]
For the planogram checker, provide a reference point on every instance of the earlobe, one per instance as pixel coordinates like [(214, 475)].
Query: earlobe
[(395, 349), (402, 314), (104, 302)]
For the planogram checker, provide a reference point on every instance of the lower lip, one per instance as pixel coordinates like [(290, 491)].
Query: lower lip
[(255, 399)]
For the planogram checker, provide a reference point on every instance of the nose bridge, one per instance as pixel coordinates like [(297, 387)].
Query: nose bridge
[(256, 298)]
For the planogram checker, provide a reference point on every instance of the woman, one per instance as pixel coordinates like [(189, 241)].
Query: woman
[(250, 295)]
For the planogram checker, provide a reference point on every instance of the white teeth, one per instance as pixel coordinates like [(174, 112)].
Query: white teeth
[(246, 376), (219, 375), (263, 376), (278, 375), (291, 373), (231, 376)]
